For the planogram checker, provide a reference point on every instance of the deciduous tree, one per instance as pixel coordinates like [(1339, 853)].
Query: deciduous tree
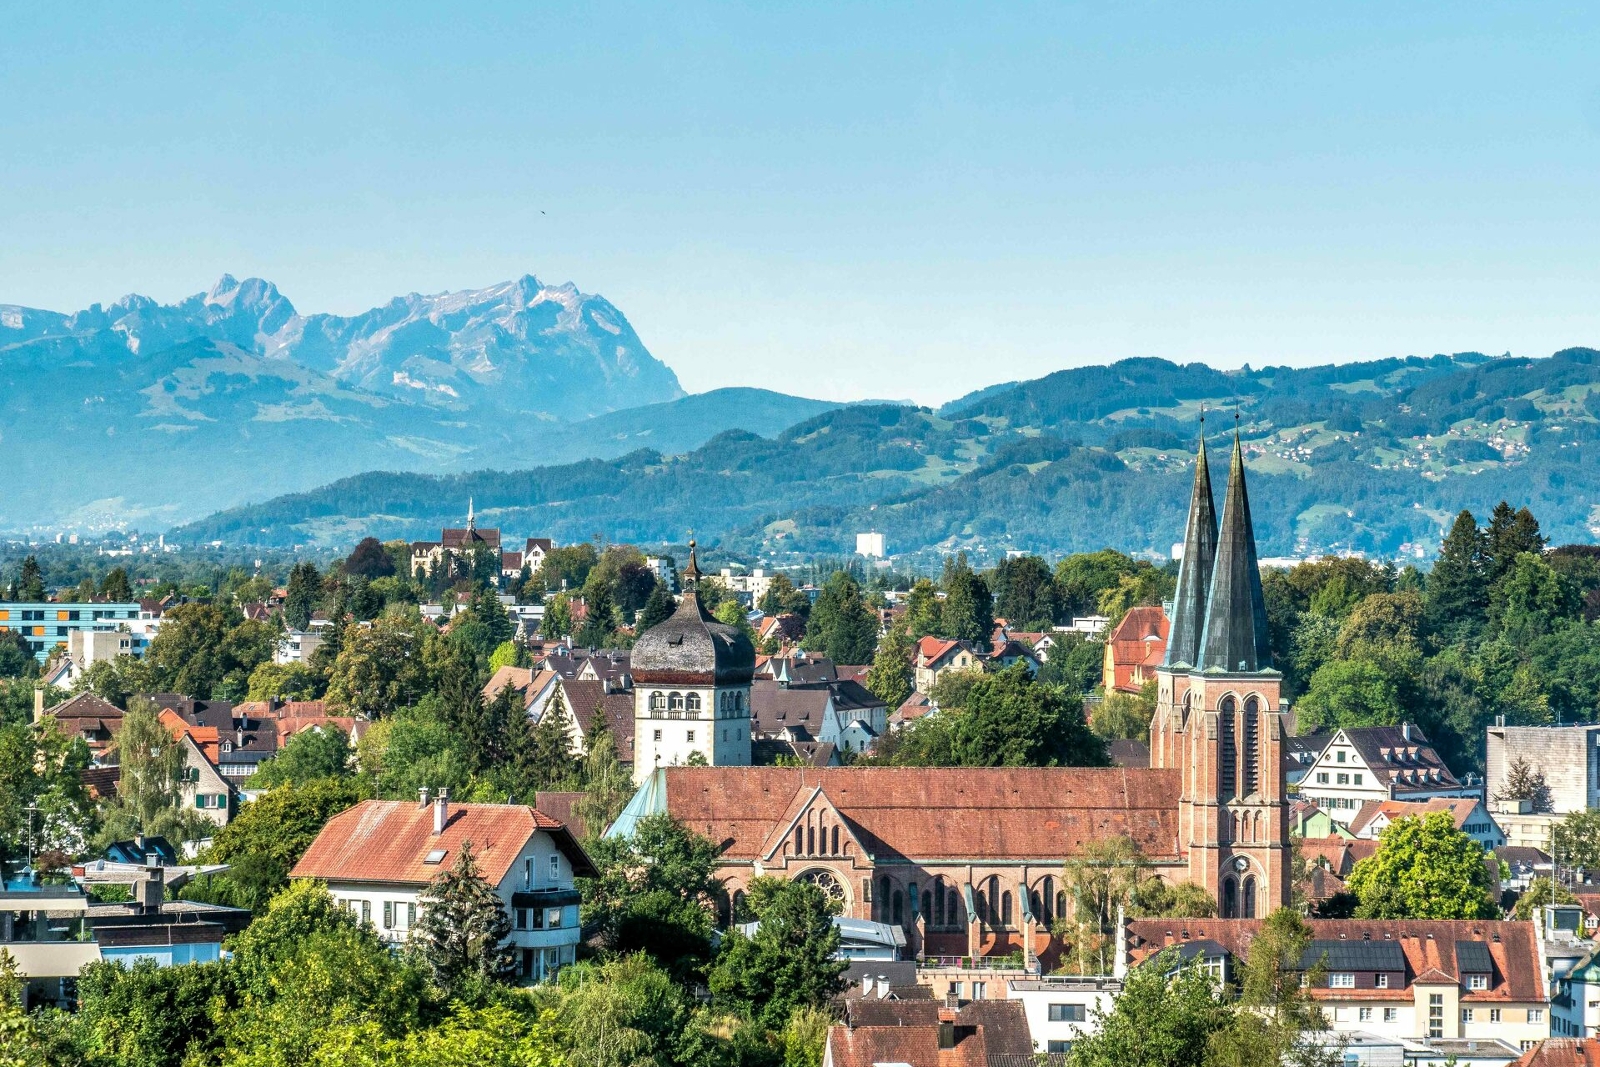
[(1424, 868)]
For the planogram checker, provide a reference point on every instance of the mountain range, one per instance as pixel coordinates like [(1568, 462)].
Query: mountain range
[(146, 414), (1374, 457)]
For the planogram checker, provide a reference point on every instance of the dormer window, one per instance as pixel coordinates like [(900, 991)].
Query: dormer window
[(1477, 981), (227, 746)]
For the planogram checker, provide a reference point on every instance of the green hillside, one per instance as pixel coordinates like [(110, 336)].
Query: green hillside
[(1373, 457)]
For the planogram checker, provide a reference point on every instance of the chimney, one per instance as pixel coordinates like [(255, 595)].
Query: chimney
[(38, 703), (238, 738), (1405, 730), (441, 812), (883, 988), (423, 795), (149, 890), (866, 985)]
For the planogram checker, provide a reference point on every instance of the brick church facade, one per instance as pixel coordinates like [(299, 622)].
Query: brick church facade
[(969, 861)]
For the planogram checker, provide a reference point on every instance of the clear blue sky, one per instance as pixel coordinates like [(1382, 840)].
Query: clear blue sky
[(842, 201)]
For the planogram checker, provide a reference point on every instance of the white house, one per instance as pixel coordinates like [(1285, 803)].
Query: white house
[(1471, 818), (1062, 1009), (379, 856), (1378, 763)]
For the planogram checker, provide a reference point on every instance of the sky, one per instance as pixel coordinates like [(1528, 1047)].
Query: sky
[(900, 201)]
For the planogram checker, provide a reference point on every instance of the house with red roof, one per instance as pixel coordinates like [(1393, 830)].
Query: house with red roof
[(378, 857), (935, 655), (1135, 649)]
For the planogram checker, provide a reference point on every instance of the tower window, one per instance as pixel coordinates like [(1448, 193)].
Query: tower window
[(1227, 751)]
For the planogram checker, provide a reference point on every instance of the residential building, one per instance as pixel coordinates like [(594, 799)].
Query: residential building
[(237, 742), (935, 655), (1377, 763), (533, 685), (691, 678), (858, 939), (45, 626), (296, 646), (1420, 979), (87, 647), (1469, 813), (87, 716), (1061, 1009), (593, 705), (665, 568), (981, 876), (1562, 1052), (205, 787), (1300, 751), (750, 587), (843, 714), (378, 858), (1135, 649), (51, 929)]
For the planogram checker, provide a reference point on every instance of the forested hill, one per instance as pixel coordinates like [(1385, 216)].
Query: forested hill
[(1370, 456)]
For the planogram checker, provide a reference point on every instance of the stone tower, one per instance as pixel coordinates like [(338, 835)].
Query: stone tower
[(691, 686), (1218, 718)]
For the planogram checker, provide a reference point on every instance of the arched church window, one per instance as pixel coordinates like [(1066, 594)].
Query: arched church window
[(835, 849), (980, 902), (738, 905), (1227, 748), (1061, 903), (953, 916), (1036, 906), (799, 839), (692, 703), (1252, 746), (811, 840), (1230, 898), (936, 891), (1005, 908), (738, 701), (1049, 893), (658, 701), (899, 908), (1247, 898), (885, 893)]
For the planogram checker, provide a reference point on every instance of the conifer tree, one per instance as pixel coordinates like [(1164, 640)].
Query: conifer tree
[(1458, 594), (658, 608), (1509, 535), (551, 762), (115, 586), (461, 933), (597, 622), (301, 596), (968, 612), (890, 677)]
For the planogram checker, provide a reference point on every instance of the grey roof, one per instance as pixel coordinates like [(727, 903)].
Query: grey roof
[(1194, 571), (1354, 956), (1236, 638), (691, 646), (1472, 957), (1405, 763)]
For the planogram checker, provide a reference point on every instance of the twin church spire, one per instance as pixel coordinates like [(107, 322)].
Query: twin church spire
[(1219, 616)]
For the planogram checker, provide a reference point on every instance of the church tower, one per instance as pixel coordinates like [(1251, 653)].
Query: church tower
[(691, 685), (1218, 718)]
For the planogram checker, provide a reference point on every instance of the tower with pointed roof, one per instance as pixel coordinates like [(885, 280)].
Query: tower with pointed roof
[(691, 684), (1218, 718)]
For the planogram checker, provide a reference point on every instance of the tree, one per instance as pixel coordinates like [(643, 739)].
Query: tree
[(320, 752), (29, 584), (369, 560), (1575, 840), (623, 1012), (924, 610), (301, 596), (1025, 593), (557, 618), (379, 668), (1524, 782), (282, 681), (483, 626), (1458, 589), (151, 1016), (152, 771), (968, 612), (1165, 1016), (782, 598), (1424, 868), (1125, 715), (656, 892), (115, 586), (1108, 875), (1541, 891), (268, 837), (186, 655), (607, 785), (658, 608), (1075, 662), (890, 679), (42, 766), (551, 762), (1082, 579), (1510, 534), (1282, 1023), (787, 964), (841, 626), (1531, 600), (1005, 719), (1347, 693), (462, 930)]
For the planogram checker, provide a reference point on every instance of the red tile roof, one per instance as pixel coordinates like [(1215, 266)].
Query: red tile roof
[(388, 840), (1429, 945), (1460, 809), (986, 1032), (1561, 1052), (1338, 854), (1035, 813)]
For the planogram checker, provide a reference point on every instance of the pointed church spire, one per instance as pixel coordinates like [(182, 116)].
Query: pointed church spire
[(471, 525), (1235, 640), (1194, 571), (690, 576)]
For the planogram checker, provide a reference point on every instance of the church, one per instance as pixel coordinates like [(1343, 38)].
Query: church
[(969, 861)]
